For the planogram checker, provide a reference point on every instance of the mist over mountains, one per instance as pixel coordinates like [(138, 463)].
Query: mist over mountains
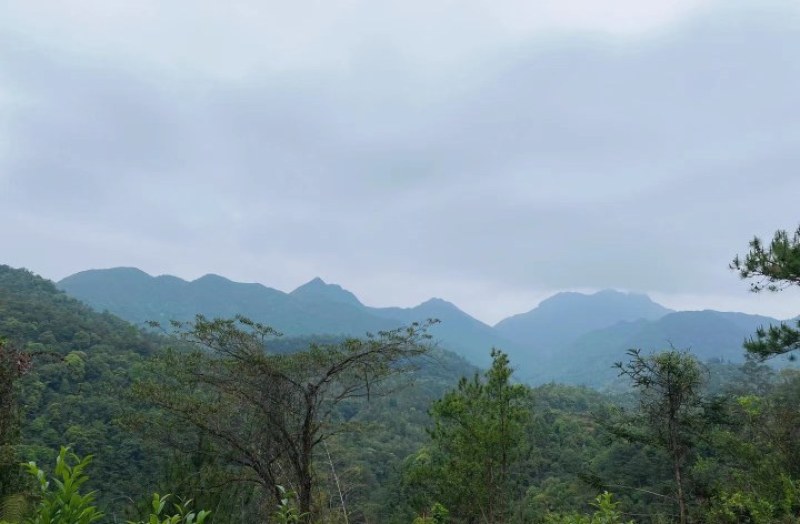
[(570, 337)]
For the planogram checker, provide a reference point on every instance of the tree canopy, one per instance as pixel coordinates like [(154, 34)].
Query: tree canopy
[(773, 267)]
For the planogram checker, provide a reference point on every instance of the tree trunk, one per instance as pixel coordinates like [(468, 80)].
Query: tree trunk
[(676, 450), (305, 497), (304, 472), (679, 487), (677, 457)]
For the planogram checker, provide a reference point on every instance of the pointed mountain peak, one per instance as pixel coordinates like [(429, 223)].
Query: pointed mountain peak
[(319, 290), (211, 279), (437, 302), (439, 308)]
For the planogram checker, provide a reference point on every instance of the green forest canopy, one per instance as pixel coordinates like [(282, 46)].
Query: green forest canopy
[(382, 429)]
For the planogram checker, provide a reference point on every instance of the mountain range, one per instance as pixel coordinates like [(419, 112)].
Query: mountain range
[(570, 337), (314, 308)]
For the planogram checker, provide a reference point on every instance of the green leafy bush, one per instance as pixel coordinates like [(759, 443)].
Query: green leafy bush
[(606, 513), (59, 499), (182, 515), (287, 512), (62, 502), (738, 507)]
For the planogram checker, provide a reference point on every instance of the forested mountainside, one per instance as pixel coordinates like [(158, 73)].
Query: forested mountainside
[(78, 393), (83, 365), (570, 338)]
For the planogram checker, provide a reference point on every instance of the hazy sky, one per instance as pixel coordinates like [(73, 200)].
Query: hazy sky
[(487, 152)]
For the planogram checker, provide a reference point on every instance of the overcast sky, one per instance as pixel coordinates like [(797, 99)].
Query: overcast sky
[(487, 152)]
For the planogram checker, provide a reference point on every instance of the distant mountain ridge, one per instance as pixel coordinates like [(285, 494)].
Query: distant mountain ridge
[(564, 317), (312, 309), (569, 337), (318, 288), (709, 335)]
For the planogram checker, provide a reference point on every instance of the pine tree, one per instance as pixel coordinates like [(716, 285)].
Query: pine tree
[(773, 268), (479, 428)]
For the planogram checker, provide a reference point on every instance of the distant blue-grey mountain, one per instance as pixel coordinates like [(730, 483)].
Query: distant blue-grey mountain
[(315, 308), (709, 335), (570, 337), (467, 335), (565, 317), (138, 297), (318, 291)]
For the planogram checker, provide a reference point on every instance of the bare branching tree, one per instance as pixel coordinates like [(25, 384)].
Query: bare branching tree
[(268, 412)]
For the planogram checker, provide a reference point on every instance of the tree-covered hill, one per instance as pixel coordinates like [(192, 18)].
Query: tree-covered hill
[(78, 393), (82, 366)]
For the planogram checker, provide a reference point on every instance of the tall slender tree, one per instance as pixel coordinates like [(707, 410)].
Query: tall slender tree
[(479, 428), (671, 405)]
